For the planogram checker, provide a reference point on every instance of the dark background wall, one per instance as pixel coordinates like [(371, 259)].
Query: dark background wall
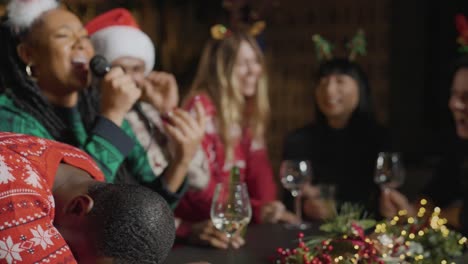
[(423, 49)]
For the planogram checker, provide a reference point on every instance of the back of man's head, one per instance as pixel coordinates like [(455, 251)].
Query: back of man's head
[(132, 223)]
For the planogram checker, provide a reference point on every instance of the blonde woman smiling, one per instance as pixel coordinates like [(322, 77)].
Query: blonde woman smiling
[(231, 84)]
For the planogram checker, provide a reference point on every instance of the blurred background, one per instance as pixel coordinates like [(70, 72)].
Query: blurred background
[(411, 46)]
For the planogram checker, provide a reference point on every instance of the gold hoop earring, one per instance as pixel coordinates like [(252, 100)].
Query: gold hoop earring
[(29, 72)]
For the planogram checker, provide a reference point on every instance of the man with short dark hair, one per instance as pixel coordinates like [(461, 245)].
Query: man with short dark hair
[(53, 202)]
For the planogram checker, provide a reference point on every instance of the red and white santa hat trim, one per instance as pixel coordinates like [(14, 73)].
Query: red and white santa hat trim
[(116, 34), (23, 13)]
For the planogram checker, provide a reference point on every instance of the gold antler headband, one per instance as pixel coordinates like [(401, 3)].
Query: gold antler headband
[(257, 28), (220, 32)]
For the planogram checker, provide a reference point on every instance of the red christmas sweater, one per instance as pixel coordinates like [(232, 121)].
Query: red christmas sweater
[(27, 170), (251, 158)]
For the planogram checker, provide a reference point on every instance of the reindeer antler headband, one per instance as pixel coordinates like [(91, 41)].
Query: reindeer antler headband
[(357, 46), (220, 32)]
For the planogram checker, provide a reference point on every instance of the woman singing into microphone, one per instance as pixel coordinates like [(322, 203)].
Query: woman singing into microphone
[(45, 77)]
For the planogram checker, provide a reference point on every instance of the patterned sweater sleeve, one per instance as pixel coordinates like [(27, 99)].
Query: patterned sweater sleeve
[(27, 233), (141, 169), (107, 155), (13, 120), (119, 144), (108, 144)]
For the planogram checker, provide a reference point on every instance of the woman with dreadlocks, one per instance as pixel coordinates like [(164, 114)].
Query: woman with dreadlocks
[(45, 75)]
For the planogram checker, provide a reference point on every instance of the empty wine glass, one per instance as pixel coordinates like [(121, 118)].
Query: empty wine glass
[(389, 171), (295, 174), (230, 208)]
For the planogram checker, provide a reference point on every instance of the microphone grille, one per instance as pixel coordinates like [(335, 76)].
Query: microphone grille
[(99, 66)]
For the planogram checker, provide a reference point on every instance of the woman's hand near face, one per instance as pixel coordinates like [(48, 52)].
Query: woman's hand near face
[(118, 94), (160, 90), (204, 233), (185, 133)]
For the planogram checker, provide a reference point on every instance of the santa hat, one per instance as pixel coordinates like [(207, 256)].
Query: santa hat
[(23, 13), (116, 34)]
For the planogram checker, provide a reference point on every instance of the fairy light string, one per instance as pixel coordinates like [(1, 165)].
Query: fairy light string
[(422, 239)]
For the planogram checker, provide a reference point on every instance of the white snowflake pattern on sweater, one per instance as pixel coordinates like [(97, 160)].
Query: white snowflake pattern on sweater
[(5, 172)]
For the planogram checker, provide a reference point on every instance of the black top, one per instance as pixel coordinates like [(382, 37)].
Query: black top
[(464, 214), (343, 157), (450, 182)]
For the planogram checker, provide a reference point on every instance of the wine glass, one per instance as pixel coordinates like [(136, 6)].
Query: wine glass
[(389, 171), (295, 174), (230, 208)]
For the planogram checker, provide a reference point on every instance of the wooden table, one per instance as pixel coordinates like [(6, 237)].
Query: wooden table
[(262, 240)]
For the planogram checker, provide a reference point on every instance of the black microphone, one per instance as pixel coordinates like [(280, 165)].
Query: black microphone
[(99, 66)]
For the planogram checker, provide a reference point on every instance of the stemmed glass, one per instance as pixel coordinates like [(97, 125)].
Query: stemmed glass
[(389, 170), (230, 208), (295, 174)]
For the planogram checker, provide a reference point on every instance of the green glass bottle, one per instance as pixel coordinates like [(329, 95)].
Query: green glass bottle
[(235, 179), (235, 175)]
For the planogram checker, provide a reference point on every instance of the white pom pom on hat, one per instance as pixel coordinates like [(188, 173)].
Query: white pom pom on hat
[(116, 34), (23, 13)]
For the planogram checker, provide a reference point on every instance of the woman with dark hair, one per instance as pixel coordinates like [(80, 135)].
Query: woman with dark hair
[(343, 143), (45, 73)]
